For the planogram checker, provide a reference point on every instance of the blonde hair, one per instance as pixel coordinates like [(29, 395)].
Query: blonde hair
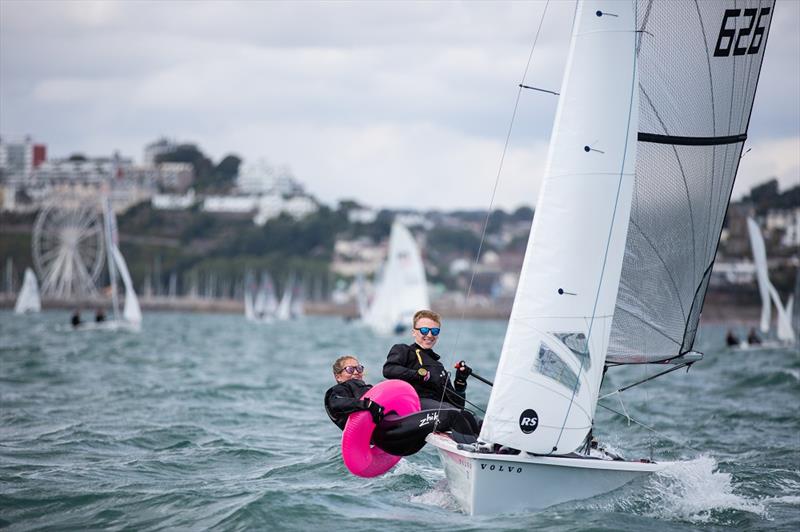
[(338, 365), (425, 313)]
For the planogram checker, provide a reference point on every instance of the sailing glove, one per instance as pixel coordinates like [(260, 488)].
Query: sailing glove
[(375, 410), (462, 372)]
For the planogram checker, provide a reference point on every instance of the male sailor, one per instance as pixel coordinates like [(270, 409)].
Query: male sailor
[(419, 365)]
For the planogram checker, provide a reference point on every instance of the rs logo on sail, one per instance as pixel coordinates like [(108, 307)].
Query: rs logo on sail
[(528, 421)]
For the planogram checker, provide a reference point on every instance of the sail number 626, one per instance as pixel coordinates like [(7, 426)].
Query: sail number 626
[(747, 40)]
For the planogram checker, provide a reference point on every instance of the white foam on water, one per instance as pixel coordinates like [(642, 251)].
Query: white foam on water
[(405, 466), (439, 496), (693, 491), (792, 500), (792, 372)]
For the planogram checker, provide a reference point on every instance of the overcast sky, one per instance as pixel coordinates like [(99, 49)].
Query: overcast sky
[(396, 104)]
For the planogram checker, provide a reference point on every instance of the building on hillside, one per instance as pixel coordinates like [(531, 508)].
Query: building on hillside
[(362, 215), (159, 147), (787, 223), (262, 178), (177, 177), (174, 201), (359, 256), (230, 204), (19, 159), (730, 273)]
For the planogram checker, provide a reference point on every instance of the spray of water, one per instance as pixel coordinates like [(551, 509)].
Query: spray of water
[(694, 491)]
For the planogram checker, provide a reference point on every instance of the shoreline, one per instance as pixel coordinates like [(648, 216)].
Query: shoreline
[(719, 307)]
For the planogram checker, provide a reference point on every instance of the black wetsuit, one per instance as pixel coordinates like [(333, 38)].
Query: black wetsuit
[(344, 398), (404, 362)]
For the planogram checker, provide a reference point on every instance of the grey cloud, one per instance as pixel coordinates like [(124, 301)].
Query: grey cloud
[(289, 80)]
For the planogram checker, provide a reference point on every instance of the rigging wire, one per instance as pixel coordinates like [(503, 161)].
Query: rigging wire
[(651, 429), (520, 87)]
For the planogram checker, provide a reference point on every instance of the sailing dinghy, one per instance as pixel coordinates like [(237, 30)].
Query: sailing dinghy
[(28, 300), (769, 295), (130, 316), (263, 307), (402, 289), (651, 120)]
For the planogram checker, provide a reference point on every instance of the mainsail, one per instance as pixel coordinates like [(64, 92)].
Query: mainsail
[(649, 129)]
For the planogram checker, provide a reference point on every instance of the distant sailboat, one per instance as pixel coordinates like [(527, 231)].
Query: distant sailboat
[(249, 306), (28, 300), (130, 316), (402, 288), (362, 304), (795, 310), (298, 307), (769, 295), (640, 169), (284, 310), (260, 303)]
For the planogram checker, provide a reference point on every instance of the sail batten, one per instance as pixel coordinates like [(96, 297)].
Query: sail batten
[(691, 141)]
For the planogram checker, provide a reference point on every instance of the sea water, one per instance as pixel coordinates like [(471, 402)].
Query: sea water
[(209, 421)]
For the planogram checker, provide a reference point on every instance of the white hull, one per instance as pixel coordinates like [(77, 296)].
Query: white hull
[(763, 346), (495, 483)]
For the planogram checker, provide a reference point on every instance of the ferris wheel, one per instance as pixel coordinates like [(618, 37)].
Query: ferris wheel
[(69, 247)]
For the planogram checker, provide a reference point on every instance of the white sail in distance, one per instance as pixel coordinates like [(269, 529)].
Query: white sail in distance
[(284, 310), (762, 277), (28, 300), (402, 288), (131, 312)]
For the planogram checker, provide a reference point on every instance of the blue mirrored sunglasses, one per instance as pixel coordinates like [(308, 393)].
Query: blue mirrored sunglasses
[(425, 330)]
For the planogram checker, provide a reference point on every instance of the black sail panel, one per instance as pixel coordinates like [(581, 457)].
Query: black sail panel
[(699, 63)]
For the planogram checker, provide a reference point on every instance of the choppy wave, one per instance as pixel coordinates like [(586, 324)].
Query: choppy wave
[(204, 421)]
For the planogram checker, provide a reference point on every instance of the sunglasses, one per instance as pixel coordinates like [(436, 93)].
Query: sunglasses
[(425, 330), (352, 369)]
